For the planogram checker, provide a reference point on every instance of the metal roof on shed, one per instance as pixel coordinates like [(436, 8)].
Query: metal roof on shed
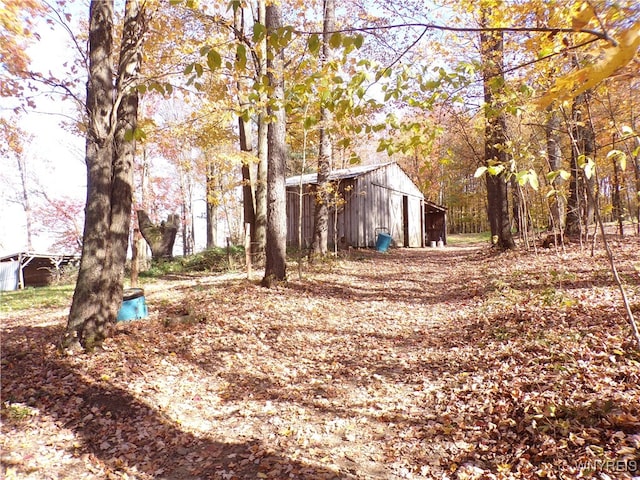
[(59, 259), (342, 174)]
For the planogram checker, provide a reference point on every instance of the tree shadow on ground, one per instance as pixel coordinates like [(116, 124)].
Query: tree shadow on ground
[(121, 431), (324, 390), (420, 283), (424, 280)]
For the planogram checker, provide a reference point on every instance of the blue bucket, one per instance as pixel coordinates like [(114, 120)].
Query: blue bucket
[(133, 305), (383, 241)]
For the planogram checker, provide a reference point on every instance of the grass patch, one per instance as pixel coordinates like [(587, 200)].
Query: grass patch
[(468, 238), (40, 297), (17, 411)]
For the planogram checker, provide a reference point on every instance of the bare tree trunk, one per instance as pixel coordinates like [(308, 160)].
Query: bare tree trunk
[(15, 139), (26, 204), (88, 322), (160, 238), (581, 202), (212, 208), (519, 219), (245, 137), (554, 154), (492, 51), (187, 229), (616, 194), (186, 214), (109, 157), (144, 262), (321, 213), (275, 268), (261, 191), (636, 165), (135, 260), (575, 202), (260, 233)]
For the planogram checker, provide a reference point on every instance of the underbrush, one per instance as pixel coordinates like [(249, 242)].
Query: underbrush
[(213, 260)]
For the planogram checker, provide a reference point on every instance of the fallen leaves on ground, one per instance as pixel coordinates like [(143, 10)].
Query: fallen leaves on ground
[(416, 364)]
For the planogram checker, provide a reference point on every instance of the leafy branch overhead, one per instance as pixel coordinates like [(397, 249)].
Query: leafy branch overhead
[(606, 62)]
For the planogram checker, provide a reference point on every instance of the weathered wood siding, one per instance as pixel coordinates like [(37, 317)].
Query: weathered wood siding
[(387, 189), (293, 215), (344, 223), (384, 199)]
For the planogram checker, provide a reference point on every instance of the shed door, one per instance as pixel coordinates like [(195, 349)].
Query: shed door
[(405, 220)]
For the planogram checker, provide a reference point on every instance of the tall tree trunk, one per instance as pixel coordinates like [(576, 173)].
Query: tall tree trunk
[(616, 194), (24, 201), (245, 137), (186, 212), (14, 139), (130, 59), (323, 195), (275, 268), (581, 203), (636, 167), (212, 207), (248, 183), (554, 154), (109, 157), (492, 51), (260, 231), (517, 207), (576, 200), (261, 190), (144, 262)]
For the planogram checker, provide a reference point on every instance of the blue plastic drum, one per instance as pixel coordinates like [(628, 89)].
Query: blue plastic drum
[(383, 241), (133, 305)]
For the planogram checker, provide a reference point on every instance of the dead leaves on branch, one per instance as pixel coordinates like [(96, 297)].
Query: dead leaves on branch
[(418, 364)]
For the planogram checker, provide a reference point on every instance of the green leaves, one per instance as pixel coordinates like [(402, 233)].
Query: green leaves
[(480, 171), (259, 32), (313, 43), (161, 88), (563, 174), (134, 134), (491, 170), (619, 157), (587, 165), (214, 60), (523, 177), (528, 176), (280, 38), (336, 41), (241, 57)]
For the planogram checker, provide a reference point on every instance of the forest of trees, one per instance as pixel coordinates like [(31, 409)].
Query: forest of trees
[(499, 110)]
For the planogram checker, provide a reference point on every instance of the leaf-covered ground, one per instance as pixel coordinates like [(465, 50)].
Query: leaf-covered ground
[(417, 364)]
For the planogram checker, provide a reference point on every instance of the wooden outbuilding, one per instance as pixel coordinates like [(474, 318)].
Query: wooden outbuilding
[(368, 199), (435, 221), (28, 269)]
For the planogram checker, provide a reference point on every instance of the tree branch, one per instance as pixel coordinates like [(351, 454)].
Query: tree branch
[(433, 26)]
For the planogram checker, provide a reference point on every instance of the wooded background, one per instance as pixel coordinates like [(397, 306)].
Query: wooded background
[(404, 80)]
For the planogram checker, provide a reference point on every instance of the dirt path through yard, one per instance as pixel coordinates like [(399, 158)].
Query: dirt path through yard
[(416, 364)]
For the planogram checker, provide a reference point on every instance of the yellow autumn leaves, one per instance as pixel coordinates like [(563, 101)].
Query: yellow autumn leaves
[(608, 60)]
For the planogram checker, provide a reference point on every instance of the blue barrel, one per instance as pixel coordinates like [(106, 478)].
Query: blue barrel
[(133, 305), (383, 241)]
